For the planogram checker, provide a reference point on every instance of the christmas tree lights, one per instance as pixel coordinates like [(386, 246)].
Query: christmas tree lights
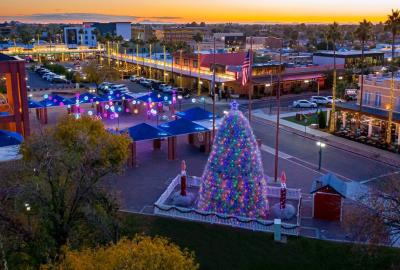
[(233, 181)]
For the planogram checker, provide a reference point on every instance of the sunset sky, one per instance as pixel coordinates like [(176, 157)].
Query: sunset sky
[(247, 11)]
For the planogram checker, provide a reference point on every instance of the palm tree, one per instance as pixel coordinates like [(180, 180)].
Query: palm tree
[(172, 49), (151, 41), (392, 24), (198, 38), (333, 35), (363, 33)]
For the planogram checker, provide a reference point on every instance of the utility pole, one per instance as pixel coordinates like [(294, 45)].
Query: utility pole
[(213, 90), (278, 105), (250, 77)]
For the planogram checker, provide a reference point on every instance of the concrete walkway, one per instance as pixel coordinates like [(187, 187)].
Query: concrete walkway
[(329, 139)]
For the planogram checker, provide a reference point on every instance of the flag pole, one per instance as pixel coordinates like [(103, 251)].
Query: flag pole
[(250, 77), (278, 105), (213, 91)]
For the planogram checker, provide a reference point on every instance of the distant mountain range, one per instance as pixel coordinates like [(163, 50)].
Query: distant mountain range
[(84, 17)]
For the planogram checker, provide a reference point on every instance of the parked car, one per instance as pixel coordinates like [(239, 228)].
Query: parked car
[(339, 100), (165, 88), (320, 100), (303, 103), (59, 79), (133, 78), (145, 83)]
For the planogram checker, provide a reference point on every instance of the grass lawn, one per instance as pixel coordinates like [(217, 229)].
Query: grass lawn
[(219, 247), (311, 119)]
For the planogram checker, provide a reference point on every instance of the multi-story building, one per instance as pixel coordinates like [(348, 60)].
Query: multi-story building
[(123, 29), (349, 59), (178, 33), (376, 93), (74, 36), (142, 32)]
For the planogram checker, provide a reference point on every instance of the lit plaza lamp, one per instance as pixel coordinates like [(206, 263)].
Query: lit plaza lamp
[(320, 145)]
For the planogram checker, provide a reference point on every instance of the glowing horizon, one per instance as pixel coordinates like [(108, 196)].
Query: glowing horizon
[(209, 11)]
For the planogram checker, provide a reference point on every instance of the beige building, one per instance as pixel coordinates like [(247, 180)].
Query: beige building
[(178, 34), (377, 92)]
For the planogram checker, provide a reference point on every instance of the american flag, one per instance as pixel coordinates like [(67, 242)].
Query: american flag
[(246, 69)]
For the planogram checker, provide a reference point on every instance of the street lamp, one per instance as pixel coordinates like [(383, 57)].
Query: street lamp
[(320, 145)]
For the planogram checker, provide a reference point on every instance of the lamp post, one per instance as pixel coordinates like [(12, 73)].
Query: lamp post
[(320, 145)]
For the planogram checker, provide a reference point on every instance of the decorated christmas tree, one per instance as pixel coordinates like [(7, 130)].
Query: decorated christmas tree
[(233, 181)]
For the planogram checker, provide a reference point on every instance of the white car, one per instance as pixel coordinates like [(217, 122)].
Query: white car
[(339, 100), (320, 100), (303, 103)]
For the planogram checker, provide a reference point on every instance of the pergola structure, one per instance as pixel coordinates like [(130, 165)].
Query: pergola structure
[(14, 105)]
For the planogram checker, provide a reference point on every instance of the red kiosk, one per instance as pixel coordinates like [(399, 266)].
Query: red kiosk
[(328, 192), (14, 114)]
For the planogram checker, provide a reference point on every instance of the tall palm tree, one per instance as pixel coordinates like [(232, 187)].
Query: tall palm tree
[(139, 45), (392, 24), (198, 38), (363, 33), (151, 41), (333, 35)]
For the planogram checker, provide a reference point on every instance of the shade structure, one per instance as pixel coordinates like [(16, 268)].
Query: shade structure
[(33, 104), (84, 98), (195, 114), (8, 138), (181, 127), (143, 132), (55, 100), (153, 97)]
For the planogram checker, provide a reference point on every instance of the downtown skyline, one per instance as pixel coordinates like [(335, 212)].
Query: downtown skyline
[(181, 11)]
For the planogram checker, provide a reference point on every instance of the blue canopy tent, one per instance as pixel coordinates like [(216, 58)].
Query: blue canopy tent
[(55, 100), (10, 145), (182, 126), (85, 98), (143, 132), (178, 127), (33, 104), (8, 138), (195, 114), (153, 97)]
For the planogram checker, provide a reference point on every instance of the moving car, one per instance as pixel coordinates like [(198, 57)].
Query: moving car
[(303, 103)]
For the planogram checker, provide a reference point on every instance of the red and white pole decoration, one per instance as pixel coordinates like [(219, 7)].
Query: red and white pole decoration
[(183, 178), (283, 191)]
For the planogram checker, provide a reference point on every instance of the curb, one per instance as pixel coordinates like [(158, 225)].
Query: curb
[(347, 148)]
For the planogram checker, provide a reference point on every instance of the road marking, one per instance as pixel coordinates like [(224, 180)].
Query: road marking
[(380, 176), (272, 151)]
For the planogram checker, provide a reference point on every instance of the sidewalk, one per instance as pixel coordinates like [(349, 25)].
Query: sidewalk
[(332, 140)]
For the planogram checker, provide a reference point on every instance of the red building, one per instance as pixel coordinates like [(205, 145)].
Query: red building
[(14, 114)]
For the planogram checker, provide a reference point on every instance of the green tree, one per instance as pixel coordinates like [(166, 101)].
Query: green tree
[(97, 75), (60, 179), (334, 36), (363, 33), (141, 253)]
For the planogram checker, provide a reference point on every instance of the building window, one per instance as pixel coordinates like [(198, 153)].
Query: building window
[(397, 106), (378, 99), (186, 62), (195, 64), (367, 98)]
